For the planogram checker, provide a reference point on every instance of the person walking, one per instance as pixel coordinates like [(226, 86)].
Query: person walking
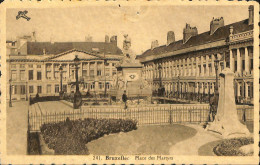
[(124, 98)]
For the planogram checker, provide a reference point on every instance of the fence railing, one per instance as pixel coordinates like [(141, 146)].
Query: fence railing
[(148, 115)]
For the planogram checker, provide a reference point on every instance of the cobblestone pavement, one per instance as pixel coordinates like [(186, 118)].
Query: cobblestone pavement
[(16, 131)]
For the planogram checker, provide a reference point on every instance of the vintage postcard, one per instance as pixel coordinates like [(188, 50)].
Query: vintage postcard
[(129, 82)]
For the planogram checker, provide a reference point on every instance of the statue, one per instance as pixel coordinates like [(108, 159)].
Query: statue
[(129, 56)]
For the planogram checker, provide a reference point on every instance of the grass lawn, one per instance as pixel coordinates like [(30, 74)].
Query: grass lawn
[(145, 140)]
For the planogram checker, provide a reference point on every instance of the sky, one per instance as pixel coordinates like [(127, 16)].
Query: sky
[(143, 24)]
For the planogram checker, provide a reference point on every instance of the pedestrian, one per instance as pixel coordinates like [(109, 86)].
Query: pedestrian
[(124, 98)]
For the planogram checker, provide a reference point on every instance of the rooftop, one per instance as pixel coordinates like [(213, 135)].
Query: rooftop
[(221, 33)]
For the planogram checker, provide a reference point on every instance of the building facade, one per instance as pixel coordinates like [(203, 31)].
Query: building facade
[(187, 68), (38, 67)]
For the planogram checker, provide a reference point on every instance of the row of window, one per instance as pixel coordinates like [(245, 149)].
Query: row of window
[(56, 74), (58, 65)]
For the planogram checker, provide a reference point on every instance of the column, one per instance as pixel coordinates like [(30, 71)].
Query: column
[(191, 69), (179, 69), (202, 65), (246, 90), (231, 60), (197, 67), (207, 65), (188, 67), (88, 69), (184, 67), (246, 61), (175, 68), (213, 64), (95, 70), (238, 62)]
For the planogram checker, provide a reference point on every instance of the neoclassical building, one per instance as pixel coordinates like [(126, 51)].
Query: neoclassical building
[(187, 68), (34, 67)]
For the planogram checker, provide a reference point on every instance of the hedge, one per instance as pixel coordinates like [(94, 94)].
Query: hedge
[(70, 137), (230, 147)]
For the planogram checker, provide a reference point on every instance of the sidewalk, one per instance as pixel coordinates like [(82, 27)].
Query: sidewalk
[(192, 145), (16, 128)]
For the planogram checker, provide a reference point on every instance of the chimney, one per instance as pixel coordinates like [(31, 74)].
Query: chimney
[(154, 44), (251, 15), (170, 37), (188, 32), (106, 39), (215, 24), (113, 39)]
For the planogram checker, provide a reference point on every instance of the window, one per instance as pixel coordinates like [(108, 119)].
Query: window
[(92, 86), (30, 74), (100, 84), (106, 64), (210, 68), (13, 75), (48, 75), (39, 66), (227, 64), (113, 64), (72, 75), (199, 69), (13, 66), (13, 43), (56, 75), (64, 88), (22, 89), (205, 71), (14, 89), (84, 73), (251, 64), (30, 65), (107, 72), (235, 66), (22, 66), (91, 73), (99, 72), (30, 89), (39, 75), (243, 64), (107, 85), (48, 88), (22, 74), (39, 89), (57, 89)]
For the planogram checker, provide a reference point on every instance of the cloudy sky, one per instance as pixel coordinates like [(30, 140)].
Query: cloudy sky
[(143, 23)]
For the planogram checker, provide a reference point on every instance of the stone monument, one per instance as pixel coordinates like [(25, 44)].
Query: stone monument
[(129, 76), (226, 120)]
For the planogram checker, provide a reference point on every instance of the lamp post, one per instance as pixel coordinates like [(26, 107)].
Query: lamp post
[(105, 90), (26, 91), (216, 63), (61, 91), (10, 93), (77, 95)]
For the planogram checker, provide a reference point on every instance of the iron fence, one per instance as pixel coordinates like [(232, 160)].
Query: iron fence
[(148, 115)]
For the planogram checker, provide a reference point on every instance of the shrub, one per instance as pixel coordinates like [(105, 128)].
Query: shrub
[(230, 147), (70, 137)]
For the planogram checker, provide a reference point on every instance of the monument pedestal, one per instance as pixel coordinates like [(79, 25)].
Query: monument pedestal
[(226, 120)]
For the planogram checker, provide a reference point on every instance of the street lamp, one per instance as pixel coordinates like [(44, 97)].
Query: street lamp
[(216, 63), (61, 91), (10, 93), (77, 95), (105, 92)]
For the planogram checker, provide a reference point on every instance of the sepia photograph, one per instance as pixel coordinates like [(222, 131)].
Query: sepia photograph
[(130, 82)]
